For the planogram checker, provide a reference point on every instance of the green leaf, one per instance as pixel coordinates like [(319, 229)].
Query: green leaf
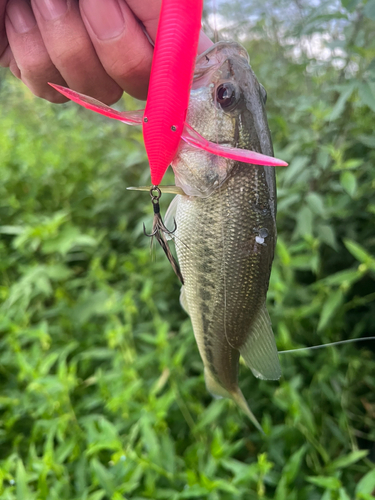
[(195, 491), (367, 140), (343, 495), (98, 495), (103, 476), (350, 5), (366, 484), (345, 278), (339, 107), (11, 230), (330, 307), (349, 182), (304, 222), (351, 164), (293, 466), (240, 470), (316, 203), (329, 483), (351, 458), (295, 168), (327, 235), (369, 9), (366, 94), (22, 489), (211, 414), (358, 251)]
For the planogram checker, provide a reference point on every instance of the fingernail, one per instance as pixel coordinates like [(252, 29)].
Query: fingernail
[(105, 18), (21, 16), (52, 9)]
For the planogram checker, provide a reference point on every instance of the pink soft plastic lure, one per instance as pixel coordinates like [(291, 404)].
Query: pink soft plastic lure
[(172, 73)]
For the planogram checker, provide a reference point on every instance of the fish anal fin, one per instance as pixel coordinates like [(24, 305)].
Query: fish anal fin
[(214, 388), (128, 117), (259, 351)]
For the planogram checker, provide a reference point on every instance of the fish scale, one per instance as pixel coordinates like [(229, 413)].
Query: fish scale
[(237, 284)]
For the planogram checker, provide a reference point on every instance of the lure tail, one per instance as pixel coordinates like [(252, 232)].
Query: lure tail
[(189, 135)]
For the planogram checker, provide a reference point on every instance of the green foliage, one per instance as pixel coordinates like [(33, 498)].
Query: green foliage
[(102, 394)]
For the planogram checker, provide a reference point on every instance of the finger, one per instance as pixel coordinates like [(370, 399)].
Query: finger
[(120, 43), (70, 49), (31, 62), (7, 61), (148, 13), (3, 37)]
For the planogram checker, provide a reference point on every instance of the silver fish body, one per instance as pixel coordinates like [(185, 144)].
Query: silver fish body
[(226, 230)]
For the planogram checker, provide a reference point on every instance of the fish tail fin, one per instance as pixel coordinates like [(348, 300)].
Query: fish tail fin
[(218, 391), (241, 402)]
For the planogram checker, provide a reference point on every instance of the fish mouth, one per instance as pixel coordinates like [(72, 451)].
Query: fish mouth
[(216, 55), (223, 46)]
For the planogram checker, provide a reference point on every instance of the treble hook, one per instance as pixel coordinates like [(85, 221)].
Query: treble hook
[(159, 231), (158, 224)]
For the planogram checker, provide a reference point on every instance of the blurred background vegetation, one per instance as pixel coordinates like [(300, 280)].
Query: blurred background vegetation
[(101, 387)]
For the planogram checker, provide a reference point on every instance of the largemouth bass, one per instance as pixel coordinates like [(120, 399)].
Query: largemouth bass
[(226, 230)]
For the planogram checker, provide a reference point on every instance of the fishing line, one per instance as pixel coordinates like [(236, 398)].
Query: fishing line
[(214, 13), (320, 346)]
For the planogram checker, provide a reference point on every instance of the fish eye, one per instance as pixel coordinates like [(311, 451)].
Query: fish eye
[(226, 95), (263, 92)]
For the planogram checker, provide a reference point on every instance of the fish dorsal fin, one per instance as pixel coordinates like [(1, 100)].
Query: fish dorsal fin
[(260, 351), (183, 300), (170, 215), (128, 117)]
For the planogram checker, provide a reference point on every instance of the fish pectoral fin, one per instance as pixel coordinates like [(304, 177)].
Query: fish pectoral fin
[(260, 351), (191, 137), (171, 189), (128, 117), (170, 216), (183, 300)]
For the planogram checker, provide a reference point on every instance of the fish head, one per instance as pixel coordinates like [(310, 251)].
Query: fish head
[(227, 107)]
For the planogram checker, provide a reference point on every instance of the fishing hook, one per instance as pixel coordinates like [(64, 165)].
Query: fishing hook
[(159, 226), (159, 231)]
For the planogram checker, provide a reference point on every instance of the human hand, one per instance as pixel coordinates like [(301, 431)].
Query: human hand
[(95, 47)]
